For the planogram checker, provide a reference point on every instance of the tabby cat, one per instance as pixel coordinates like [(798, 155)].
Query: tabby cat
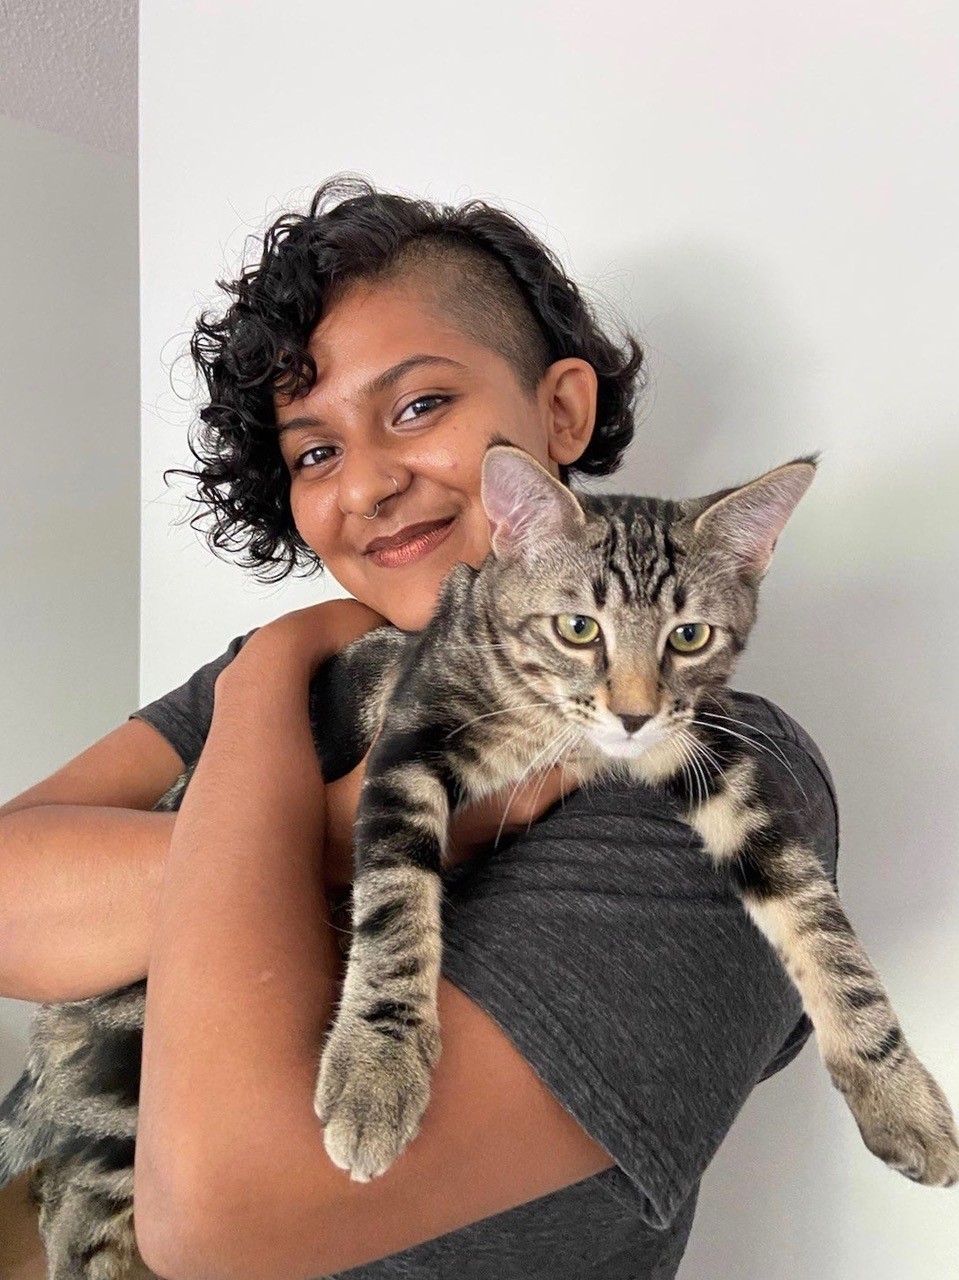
[(599, 634)]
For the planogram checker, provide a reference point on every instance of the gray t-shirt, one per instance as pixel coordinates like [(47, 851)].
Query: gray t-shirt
[(627, 973)]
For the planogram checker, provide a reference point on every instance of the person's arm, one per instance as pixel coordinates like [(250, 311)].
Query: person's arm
[(81, 864), (612, 1004), (232, 1177), (82, 856)]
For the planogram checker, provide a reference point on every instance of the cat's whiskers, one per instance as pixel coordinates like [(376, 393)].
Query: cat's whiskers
[(562, 798), (557, 760), (695, 769), (524, 706), (709, 757), (688, 762), (774, 749), (759, 746), (707, 754), (560, 736), (690, 745), (684, 765), (732, 720), (704, 753)]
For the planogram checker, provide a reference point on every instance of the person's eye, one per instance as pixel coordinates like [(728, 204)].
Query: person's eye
[(301, 462), (432, 402)]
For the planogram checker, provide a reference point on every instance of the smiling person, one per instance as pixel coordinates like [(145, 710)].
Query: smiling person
[(606, 1005)]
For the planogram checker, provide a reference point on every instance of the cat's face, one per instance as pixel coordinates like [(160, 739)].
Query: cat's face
[(625, 614)]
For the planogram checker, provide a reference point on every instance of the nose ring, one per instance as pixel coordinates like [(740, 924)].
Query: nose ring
[(376, 505)]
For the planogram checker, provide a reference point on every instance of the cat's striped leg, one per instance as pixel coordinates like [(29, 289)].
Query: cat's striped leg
[(86, 1217), (902, 1114), (24, 1138), (374, 1081)]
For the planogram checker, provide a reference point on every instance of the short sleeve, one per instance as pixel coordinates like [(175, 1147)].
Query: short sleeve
[(625, 970), (184, 715)]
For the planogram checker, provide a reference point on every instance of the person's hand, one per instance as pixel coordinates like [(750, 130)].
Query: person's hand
[(478, 827), (473, 829)]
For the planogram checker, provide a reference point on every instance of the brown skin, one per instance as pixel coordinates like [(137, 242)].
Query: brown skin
[(494, 1137), (342, 465), (433, 449), (230, 1063), (247, 1188)]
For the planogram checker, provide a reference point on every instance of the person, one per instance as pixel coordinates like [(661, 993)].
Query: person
[(606, 1005)]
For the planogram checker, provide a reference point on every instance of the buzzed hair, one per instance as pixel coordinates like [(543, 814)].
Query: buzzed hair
[(477, 293)]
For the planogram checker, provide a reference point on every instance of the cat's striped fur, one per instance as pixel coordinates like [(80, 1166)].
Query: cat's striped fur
[(458, 731), (490, 691)]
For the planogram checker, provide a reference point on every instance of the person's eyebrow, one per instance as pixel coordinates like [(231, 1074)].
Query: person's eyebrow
[(377, 385)]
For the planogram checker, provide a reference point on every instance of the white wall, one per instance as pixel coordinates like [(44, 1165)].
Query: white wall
[(69, 484), (771, 199)]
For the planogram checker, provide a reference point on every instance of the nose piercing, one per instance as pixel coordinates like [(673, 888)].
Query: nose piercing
[(376, 505)]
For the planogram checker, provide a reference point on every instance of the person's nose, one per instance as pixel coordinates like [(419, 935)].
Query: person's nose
[(364, 480)]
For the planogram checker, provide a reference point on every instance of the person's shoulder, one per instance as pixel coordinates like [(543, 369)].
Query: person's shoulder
[(764, 714), (794, 768)]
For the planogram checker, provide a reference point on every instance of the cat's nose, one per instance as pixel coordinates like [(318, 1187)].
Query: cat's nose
[(632, 723)]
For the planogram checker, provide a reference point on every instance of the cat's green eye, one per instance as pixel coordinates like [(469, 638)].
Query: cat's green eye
[(690, 637), (576, 628)]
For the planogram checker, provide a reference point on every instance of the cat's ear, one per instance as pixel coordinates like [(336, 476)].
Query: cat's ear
[(525, 505), (748, 520)]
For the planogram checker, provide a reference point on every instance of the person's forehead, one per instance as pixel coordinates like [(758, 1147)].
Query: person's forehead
[(362, 371), (374, 327)]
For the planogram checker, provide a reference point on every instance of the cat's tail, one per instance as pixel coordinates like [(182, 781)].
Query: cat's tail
[(26, 1136)]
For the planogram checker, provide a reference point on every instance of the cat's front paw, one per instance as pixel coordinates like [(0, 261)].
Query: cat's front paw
[(372, 1091), (906, 1121)]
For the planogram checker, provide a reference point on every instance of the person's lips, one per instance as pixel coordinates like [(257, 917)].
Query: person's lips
[(412, 543), (405, 535)]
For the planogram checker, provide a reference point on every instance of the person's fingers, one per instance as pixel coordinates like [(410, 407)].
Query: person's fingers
[(510, 810), (539, 794)]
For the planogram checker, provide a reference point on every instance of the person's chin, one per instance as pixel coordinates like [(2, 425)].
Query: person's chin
[(411, 617)]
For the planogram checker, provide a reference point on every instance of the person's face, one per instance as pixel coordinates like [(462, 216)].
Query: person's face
[(426, 424)]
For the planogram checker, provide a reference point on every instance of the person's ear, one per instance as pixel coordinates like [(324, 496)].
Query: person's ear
[(567, 395)]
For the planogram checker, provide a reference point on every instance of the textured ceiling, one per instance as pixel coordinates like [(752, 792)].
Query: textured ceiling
[(70, 66)]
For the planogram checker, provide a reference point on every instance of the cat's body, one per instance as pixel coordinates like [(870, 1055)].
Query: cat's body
[(509, 678)]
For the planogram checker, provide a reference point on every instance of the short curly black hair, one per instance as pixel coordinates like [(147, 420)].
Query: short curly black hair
[(503, 287)]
